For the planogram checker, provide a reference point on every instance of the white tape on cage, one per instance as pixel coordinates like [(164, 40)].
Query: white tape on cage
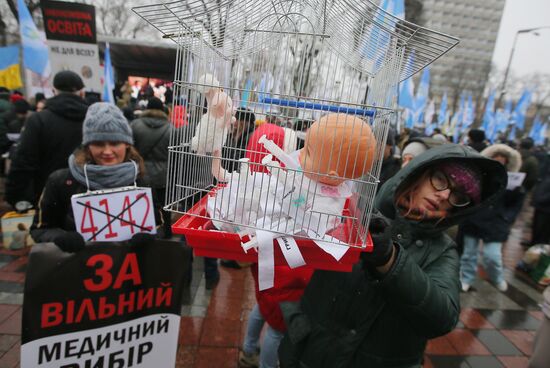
[(291, 252), (266, 259)]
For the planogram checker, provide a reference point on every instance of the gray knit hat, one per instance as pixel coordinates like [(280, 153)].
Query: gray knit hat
[(105, 122)]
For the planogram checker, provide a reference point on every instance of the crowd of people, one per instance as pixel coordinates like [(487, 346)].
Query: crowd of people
[(436, 202)]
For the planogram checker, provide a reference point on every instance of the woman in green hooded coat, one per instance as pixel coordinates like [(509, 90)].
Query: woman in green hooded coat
[(407, 290)]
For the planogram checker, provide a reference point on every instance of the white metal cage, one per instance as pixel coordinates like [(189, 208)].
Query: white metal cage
[(289, 63)]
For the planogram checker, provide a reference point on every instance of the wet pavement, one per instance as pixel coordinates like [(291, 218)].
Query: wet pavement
[(496, 328)]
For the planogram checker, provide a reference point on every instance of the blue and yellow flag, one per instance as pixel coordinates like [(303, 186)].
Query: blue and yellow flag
[(10, 73), (35, 49)]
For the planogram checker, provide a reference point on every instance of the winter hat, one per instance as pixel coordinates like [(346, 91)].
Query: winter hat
[(467, 178), (414, 149), (105, 122), (21, 106), (67, 81), (440, 137), (476, 135), (155, 104)]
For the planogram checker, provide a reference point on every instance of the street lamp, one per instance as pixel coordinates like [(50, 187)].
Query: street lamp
[(526, 30)]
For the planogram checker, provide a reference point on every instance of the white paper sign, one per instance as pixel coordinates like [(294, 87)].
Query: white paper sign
[(114, 215), (515, 179)]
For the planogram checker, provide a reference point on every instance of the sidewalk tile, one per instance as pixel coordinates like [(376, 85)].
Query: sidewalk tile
[(15, 265), (225, 307), (12, 325), (514, 362), (208, 357), (497, 343), (427, 362), (439, 361), (186, 356), (6, 310), (220, 332), (523, 340), (483, 362), (440, 346), (472, 319), (11, 358), (7, 341), (466, 343), (12, 276), (537, 314), (511, 319), (190, 331)]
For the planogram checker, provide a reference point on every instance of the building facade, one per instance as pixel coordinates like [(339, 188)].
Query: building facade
[(467, 66)]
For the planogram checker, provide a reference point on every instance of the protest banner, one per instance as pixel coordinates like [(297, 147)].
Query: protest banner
[(114, 214), (71, 36), (109, 305)]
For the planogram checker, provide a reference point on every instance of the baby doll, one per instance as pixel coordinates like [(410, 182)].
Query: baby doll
[(211, 131), (338, 147)]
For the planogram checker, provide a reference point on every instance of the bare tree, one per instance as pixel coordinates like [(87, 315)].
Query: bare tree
[(115, 18)]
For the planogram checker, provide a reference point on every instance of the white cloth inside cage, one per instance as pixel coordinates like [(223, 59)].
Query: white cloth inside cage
[(282, 202)]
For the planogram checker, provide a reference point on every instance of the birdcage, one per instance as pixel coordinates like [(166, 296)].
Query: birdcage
[(287, 106)]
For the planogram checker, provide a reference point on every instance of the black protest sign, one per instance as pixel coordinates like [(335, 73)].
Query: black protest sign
[(72, 22), (109, 305)]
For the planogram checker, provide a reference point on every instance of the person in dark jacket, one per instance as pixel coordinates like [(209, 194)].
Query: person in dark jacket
[(541, 203), (237, 140), (530, 164), (7, 113), (390, 164), (491, 225), (407, 290), (152, 136), (476, 139), (107, 159), (48, 139)]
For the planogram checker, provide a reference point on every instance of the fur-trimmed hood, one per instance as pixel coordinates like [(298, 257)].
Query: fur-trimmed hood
[(514, 157)]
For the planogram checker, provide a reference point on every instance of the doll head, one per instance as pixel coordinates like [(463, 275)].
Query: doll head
[(220, 105), (339, 145)]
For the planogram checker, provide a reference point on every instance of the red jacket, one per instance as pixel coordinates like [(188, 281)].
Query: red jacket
[(289, 285)]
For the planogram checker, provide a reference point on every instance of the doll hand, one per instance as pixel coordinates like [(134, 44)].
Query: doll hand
[(380, 232), (70, 242)]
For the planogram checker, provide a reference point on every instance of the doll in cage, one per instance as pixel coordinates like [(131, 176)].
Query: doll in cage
[(338, 148), (304, 192), (211, 131)]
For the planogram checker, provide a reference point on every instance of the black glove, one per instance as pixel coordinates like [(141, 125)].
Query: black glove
[(141, 239), (296, 321), (70, 242), (380, 232)]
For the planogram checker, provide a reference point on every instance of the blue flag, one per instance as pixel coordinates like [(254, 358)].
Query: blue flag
[(541, 136), (406, 89), (422, 95), (443, 110), (489, 115), (377, 41), (512, 135), (469, 112), (518, 115), (246, 93), (537, 125), (108, 77), (35, 49)]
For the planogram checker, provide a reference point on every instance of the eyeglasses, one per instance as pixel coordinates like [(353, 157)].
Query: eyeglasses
[(441, 182)]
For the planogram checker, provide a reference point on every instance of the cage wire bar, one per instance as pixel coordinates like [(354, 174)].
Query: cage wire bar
[(289, 63)]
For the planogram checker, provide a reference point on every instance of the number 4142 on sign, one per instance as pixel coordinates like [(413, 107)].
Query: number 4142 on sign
[(114, 214)]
